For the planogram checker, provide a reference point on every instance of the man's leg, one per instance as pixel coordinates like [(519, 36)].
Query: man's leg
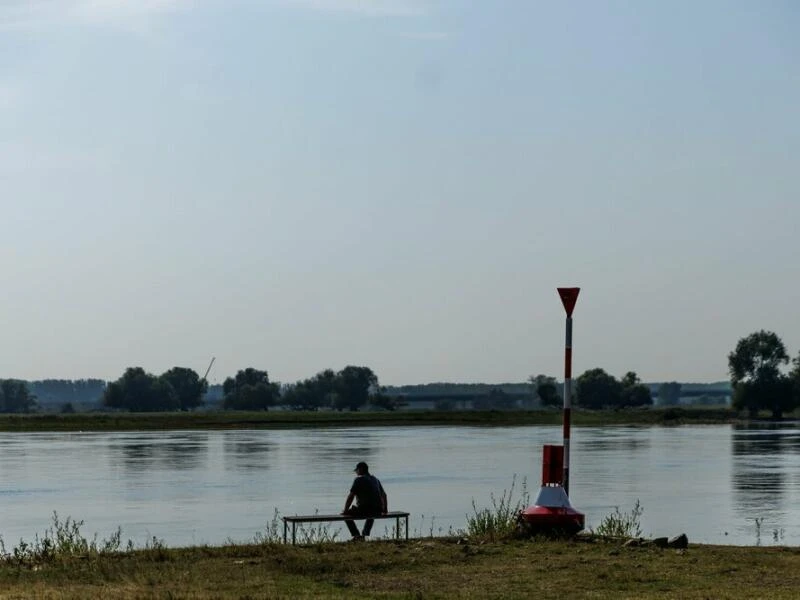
[(351, 525), (368, 526)]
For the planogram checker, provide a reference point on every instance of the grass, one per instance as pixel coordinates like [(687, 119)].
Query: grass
[(487, 561), (430, 568), (292, 419)]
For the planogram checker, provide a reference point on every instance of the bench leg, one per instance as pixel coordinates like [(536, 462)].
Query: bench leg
[(294, 538), (406, 527), (397, 528), (285, 530)]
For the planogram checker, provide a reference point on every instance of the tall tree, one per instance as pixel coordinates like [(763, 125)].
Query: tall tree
[(139, 391), (299, 396), (794, 376), (251, 389), (598, 389), (312, 393), (545, 388), (15, 397), (630, 379), (187, 385), (634, 392), (755, 370), (354, 387), (326, 388)]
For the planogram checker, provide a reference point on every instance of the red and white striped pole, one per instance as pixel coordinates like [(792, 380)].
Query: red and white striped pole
[(569, 296)]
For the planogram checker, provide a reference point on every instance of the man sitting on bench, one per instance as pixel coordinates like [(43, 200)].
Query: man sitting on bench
[(370, 500)]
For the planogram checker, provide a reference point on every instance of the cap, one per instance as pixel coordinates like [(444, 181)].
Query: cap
[(362, 466)]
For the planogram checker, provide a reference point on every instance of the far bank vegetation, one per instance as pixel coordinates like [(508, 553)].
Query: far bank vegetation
[(763, 379)]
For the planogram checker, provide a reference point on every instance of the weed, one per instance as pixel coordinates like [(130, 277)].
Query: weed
[(619, 524), (272, 531), (319, 534), (499, 521), (155, 549), (305, 534), (62, 539), (394, 532), (758, 521)]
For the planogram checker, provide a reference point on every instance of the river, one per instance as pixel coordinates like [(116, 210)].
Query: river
[(719, 484)]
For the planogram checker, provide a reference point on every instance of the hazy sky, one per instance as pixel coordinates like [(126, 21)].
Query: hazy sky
[(301, 184)]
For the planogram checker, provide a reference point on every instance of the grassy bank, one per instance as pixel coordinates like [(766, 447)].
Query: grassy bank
[(291, 419), (436, 568)]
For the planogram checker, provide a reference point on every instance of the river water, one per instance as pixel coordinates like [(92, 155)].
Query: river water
[(719, 484)]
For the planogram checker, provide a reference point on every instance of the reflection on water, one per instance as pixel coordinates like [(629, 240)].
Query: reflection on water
[(765, 462), (719, 484), (329, 452), (144, 452), (770, 438), (247, 451), (623, 440)]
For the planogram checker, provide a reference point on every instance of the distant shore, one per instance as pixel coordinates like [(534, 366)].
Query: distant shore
[(295, 419)]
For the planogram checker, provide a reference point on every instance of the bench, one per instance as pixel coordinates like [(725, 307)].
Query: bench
[(396, 515)]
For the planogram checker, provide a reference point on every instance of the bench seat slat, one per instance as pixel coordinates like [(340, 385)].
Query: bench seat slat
[(318, 518), (295, 519)]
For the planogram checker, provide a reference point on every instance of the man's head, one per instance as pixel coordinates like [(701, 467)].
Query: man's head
[(361, 468)]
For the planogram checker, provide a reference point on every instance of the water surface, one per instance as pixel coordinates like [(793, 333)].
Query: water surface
[(719, 484)]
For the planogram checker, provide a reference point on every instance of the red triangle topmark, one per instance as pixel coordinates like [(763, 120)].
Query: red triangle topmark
[(569, 296)]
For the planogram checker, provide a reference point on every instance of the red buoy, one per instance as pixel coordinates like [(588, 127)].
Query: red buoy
[(552, 512)]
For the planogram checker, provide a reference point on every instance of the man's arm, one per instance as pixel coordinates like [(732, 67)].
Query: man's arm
[(350, 497), (384, 501)]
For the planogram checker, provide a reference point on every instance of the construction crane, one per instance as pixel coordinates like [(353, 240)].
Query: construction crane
[(213, 358)]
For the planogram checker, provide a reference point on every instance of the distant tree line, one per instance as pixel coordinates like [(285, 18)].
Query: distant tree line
[(250, 389), (600, 389), (349, 389), (595, 389), (60, 391), (181, 388), (763, 378), (454, 389)]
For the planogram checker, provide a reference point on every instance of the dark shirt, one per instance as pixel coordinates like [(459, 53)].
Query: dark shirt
[(368, 492)]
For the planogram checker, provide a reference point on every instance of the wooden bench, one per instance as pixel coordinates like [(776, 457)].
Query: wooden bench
[(396, 515)]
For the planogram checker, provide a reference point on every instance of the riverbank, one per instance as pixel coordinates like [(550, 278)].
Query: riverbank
[(296, 419), (427, 568)]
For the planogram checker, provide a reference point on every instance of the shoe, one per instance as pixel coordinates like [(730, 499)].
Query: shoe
[(357, 538)]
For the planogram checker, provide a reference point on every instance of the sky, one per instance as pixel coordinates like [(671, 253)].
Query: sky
[(295, 185)]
